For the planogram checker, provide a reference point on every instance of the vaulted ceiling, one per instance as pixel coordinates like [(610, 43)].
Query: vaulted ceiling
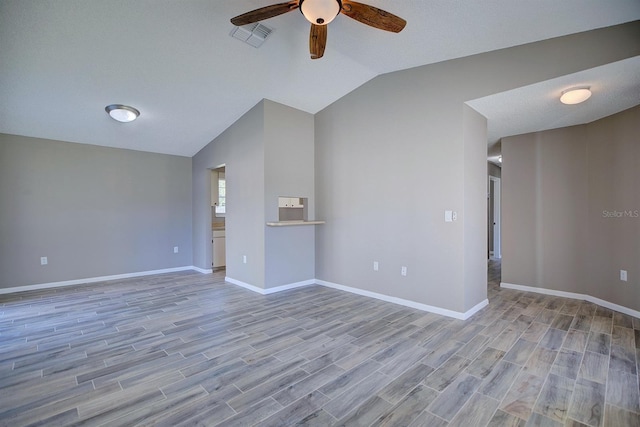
[(63, 61)]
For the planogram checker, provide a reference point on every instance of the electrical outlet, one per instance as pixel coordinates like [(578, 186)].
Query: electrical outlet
[(44, 260), (244, 259), (403, 271), (448, 216), (375, 265), (175, 249), (623, 275)]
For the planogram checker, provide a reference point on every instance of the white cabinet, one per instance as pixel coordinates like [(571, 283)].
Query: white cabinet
[(290, 202), (219, 249), (219, 252)]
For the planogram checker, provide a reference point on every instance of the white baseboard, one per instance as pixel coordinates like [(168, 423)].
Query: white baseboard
[(583, 297), (202, 270), (96, 279), (408, 303), (268, 291), (395, 300), (476, 308)]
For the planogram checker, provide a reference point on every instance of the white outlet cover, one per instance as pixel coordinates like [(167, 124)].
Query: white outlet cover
[(623, 275), (44, 260), (175, 249), (375, 266)]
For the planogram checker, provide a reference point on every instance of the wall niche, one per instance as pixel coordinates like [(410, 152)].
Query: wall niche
[(292, 209)]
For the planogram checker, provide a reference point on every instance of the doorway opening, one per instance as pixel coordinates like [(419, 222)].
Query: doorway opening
[(218, 218), (495, 250)]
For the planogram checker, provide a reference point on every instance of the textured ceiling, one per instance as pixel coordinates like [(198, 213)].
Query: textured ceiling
[(615, 87), (63, 61)]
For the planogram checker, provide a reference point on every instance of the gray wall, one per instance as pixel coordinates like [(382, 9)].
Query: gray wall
[(267, 153), (556, 186), (614, 185), (544, 205), (241, 149), (93, 211), (289, 172), (474, 212), (393, 155)]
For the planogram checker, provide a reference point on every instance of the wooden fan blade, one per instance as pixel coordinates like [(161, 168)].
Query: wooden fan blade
[(264, 13), (317, 40), (373, 16)]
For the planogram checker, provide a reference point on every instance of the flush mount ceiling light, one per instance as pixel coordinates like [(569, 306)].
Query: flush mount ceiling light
[(320, 12), (575, 95), (122, 113)]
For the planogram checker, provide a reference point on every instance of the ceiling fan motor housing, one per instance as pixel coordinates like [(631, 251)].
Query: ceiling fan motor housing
[(320, 12)]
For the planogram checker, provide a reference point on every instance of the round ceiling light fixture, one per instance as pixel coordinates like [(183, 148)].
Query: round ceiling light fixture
[(320, 12), (575, 95), (122, 113)]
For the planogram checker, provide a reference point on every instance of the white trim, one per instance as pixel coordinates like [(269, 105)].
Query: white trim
[(202, 270), (544, 291), (290, 286), (476, 308), (387, 298), (497, 217), (96, 279), (584, 297), (394, 300), (268, 291), (407, 303), (244, 285)]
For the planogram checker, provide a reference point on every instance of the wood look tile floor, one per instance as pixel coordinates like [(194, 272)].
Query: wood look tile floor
[(189, 349)]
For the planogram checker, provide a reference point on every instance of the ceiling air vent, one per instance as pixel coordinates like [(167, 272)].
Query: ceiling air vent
[(252, 34)]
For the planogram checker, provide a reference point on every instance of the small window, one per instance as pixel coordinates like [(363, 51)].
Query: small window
[(222, 188), (222, 194)]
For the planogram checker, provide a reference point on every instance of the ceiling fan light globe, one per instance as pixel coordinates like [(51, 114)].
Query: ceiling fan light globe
[(320, 12)]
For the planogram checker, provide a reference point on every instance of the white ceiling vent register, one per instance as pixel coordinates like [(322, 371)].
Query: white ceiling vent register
[(252, 34)]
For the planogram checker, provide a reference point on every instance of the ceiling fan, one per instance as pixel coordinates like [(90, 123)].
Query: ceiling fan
[(320, 13)]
